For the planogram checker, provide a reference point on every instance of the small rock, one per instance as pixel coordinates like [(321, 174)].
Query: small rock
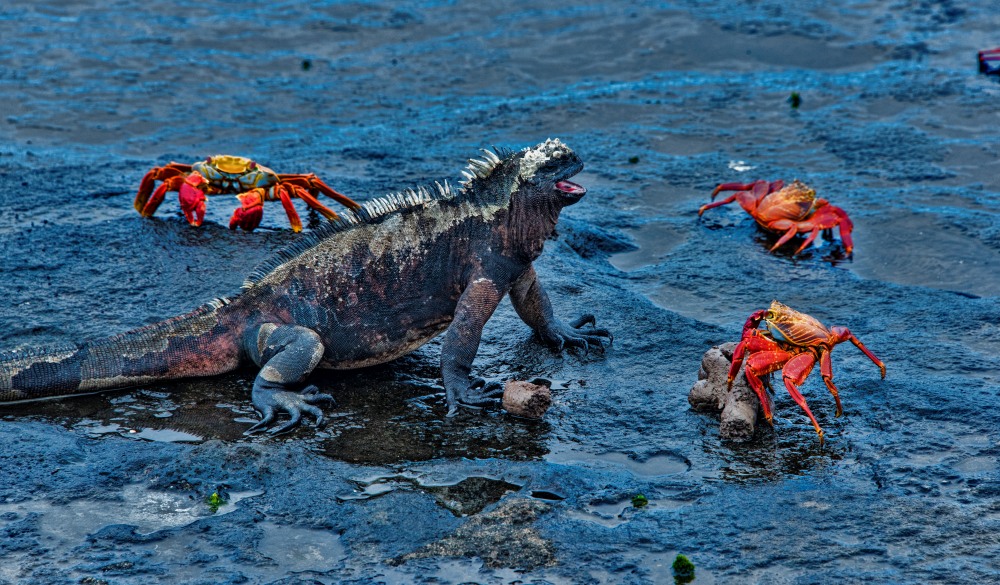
[(526, 399), (738, 406)]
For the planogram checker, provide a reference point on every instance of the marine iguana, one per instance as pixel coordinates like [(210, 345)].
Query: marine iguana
[(362, 290)]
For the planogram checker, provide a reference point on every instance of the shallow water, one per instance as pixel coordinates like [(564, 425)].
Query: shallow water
[(663, 101)]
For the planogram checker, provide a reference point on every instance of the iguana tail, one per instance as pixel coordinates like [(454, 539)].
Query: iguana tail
[(201, 343)]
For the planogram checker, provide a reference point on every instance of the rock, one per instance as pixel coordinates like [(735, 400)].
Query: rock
[(738, 406), (503, 538), (526, 399)]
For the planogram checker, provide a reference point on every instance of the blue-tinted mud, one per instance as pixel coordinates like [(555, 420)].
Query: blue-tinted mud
[(663, 101)]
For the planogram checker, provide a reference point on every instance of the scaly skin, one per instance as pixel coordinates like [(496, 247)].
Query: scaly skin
[(792, 343), (361, 291)]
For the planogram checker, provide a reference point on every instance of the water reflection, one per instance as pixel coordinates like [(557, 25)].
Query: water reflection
[(383, 415), (773, 456)]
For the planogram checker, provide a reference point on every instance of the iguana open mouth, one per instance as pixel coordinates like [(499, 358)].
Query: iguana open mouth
[(571, 188)]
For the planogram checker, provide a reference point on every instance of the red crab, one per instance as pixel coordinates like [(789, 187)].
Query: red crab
[(989, 61), (792, 343), (788, 210), (253, 184)]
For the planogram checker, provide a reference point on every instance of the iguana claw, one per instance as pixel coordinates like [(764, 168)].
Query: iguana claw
[(479, 394), (561, 336), (270, 402)]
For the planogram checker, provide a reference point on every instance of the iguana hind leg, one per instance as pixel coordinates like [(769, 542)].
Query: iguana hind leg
[(461, 342), (287, 355)]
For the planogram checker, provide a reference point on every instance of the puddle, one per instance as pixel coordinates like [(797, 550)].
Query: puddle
[(656, 465), (695, 305), (369, 491), (923, 250), (166, 436), (462, 498), (471, 495), (301, 549), (977, 465), (547, 495), (139, 506), (607, 521), (654, 240), (466, 571), (612, 514), (95, 429)]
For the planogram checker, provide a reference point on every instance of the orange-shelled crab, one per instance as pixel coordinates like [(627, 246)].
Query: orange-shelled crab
[(787, 209), (253, 184), (793, 342)]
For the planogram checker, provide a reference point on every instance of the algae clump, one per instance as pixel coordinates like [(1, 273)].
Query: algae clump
[(683, 570)]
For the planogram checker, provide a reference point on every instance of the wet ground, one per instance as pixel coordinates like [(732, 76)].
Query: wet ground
[(663, 101)]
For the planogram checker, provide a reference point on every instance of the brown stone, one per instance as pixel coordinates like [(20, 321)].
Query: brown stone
[(526, 399), (737, 407)]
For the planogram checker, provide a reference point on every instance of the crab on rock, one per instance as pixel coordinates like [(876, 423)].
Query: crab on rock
[(789, 210), (253, 184), (792, 343)]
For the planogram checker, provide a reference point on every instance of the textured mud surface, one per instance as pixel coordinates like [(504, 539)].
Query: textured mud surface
[(662, 100)]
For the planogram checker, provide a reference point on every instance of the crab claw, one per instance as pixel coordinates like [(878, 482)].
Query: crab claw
[(192, 199), (250, 212)]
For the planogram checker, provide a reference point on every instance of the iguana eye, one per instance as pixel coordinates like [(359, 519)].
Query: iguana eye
[(769, 316)]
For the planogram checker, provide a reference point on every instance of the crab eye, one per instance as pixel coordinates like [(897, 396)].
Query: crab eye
[(769, 316), (252, 165), (208, 159)]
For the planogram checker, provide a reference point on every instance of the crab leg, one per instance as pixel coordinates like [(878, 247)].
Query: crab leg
[(844, 334), (730, 187), (192, 198), (809, 240), (164, 173), (758, 187), (752, 341), (313, 202), (829, 216), (718, 203), (149, 207), (753, 321), (846, 226), (313, 183), (826, 370), (286, 202), (795, 373), (250, 211), (791, 230), (759, 365)]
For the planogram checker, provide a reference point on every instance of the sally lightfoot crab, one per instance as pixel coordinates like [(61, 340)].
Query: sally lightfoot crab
[(989, 61), (793, 342), (788, 210), (253, 184)]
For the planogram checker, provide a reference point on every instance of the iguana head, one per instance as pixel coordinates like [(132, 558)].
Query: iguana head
[(538, 174), (547, 168)]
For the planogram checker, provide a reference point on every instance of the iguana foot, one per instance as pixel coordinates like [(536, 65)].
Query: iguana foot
[(269, 402), (560, 335), (476, 396)]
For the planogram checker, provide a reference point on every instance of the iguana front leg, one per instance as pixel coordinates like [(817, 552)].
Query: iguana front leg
[(287, 354), (533, 306), (461, 342)]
